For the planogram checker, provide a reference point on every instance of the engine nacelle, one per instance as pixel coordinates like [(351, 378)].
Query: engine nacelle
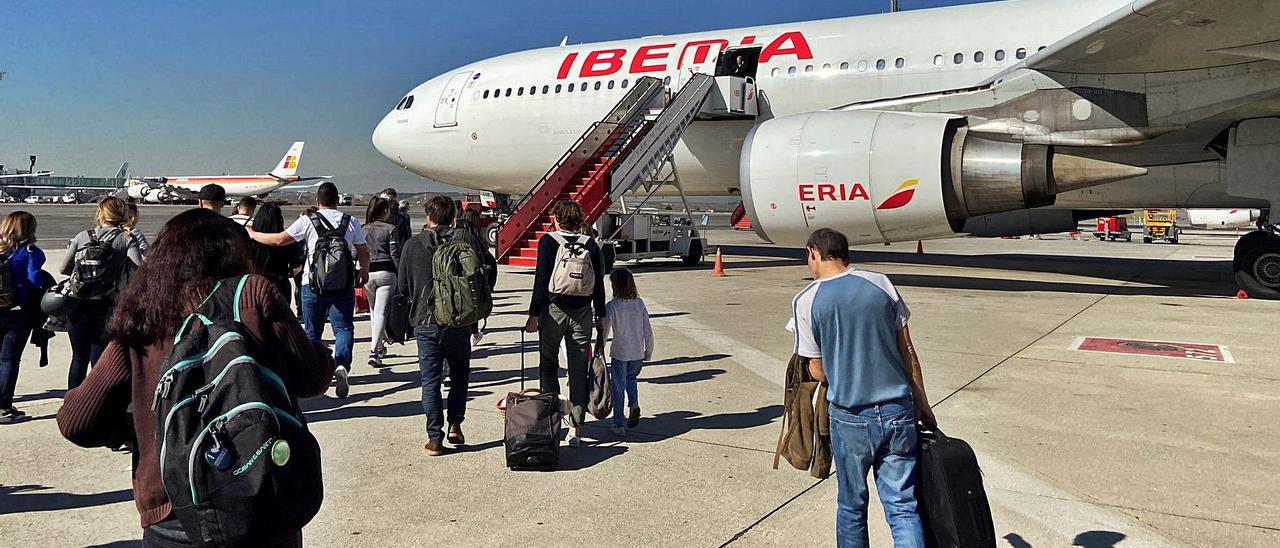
[(1027, 222), (893, 176)]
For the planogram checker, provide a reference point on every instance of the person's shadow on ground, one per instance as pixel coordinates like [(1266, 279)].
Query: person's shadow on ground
[(20, 499)]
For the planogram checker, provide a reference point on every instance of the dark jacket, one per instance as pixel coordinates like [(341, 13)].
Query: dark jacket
[(543, 297), (404, 228), (415, 278), (96, 413), (384, 245)]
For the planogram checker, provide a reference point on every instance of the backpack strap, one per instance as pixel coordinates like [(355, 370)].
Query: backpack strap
[(559, 238)]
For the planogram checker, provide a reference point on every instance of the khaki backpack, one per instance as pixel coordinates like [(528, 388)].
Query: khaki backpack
[(573, 273), (805, 440)]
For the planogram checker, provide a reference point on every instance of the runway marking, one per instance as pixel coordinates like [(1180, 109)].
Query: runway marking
[(1178, 350)]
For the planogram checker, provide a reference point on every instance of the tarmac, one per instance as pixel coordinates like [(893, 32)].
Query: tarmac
[(1078, 448)]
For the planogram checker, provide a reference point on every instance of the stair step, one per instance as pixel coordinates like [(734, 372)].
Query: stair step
[(530, 253), (520, 261)]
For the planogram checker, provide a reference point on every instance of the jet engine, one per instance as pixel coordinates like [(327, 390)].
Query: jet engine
[(890, 176)]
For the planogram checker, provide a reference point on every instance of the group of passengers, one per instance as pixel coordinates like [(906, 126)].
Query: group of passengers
[(133, 329)]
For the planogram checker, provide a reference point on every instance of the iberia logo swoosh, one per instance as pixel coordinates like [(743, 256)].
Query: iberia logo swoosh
[(290, 162), (902, 196)]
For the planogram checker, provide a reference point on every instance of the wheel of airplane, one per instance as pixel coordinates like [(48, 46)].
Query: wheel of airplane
[(1257, 265)]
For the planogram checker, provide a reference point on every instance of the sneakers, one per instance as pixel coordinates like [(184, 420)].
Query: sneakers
[(12, 416), (620, 431), (455, 436), (433, 449), (343, 386), (375, 359), (477, 337), (633, 419), (574, 441)]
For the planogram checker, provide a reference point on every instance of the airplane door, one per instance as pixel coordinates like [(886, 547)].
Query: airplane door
[(698, 57), (447, 108)]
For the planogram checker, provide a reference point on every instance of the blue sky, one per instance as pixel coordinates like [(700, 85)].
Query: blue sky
[(203, 88)]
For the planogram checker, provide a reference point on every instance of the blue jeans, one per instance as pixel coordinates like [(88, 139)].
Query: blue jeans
[(624, 373), (437, 347), (880, 437), (12, 340), (340, 311)]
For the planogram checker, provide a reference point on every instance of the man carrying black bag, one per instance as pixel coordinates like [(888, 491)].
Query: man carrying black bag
[(852, 324)]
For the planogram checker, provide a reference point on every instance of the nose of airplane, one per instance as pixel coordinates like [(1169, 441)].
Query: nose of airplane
[(385, 141)]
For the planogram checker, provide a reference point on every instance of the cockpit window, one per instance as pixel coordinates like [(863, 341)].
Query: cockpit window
[(405, 103)]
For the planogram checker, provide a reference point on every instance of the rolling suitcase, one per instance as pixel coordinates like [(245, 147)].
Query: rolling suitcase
[(531, 425), (952, 502)]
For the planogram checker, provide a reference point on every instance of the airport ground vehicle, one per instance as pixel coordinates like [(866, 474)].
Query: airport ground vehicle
[(32, 199), (1160, 224), (491, 219), (650, 235), (1112, 229), (70, 198)]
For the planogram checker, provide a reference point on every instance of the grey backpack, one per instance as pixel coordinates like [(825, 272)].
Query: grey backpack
[(573, 273), (599, 383)]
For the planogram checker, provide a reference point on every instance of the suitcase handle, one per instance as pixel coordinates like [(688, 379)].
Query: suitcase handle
[(932, 433)]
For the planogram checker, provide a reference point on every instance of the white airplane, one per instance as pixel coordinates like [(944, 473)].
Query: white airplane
[(1223, 218), (164, 189), (996, 118)]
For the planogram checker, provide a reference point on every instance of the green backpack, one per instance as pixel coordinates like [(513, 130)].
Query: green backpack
[(460, 285)]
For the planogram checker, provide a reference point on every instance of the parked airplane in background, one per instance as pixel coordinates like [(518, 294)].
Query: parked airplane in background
[(1010, 118), (1223, 218), (165, 189)]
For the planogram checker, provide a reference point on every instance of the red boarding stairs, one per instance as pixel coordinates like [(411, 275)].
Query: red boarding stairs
[(739, 219), (613, 157)]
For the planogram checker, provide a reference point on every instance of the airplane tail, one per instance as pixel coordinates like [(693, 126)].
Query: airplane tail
[(123, 172), (288, 166)]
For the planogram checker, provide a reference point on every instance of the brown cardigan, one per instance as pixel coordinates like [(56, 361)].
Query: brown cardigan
[(95, 413)]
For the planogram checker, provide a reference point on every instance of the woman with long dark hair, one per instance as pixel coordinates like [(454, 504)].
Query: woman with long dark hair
[(19, 254), (195, 250), (276, 263), (384, 254)]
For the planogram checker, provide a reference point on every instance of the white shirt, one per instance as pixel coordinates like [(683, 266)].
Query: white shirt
[(628, 319), (303, 231), (241, 220)]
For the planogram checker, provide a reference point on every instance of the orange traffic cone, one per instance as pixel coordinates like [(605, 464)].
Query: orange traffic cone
[(719, 270), (919, 247), (1242, 294)]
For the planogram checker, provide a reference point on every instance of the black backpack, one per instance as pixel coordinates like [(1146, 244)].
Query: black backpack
[(333, 270), (237, 461), (8, 288), (100, 271)]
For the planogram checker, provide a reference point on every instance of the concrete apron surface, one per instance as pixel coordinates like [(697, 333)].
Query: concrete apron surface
[(1077, 448)]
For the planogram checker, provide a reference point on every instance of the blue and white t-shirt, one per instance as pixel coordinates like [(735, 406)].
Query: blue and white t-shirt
[(851, 322)]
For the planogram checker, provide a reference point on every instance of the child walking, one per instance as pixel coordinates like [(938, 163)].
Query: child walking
[(628, 320)]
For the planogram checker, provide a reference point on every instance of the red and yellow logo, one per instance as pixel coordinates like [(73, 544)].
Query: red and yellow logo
[(902, 196), (290, 162)]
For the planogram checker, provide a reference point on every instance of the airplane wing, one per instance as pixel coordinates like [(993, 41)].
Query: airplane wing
[(295, 186), (1151, 36)]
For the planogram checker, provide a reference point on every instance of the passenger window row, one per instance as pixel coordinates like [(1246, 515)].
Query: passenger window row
[(548, 89), (981, 56), (863, 66)]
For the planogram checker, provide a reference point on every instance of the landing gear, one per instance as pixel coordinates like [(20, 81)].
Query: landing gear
[(491, 234), (1257, 264)]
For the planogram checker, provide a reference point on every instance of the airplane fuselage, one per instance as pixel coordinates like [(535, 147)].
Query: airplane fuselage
[(499, 124)]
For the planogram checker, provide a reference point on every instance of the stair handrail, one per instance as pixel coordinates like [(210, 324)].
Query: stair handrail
[(681, 108), (633, 104), (583, 137)]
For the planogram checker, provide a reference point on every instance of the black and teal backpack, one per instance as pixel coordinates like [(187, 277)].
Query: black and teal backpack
[(236, 458)]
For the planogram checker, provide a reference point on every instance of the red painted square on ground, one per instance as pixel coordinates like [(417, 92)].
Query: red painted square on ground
[(1189, 351)]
